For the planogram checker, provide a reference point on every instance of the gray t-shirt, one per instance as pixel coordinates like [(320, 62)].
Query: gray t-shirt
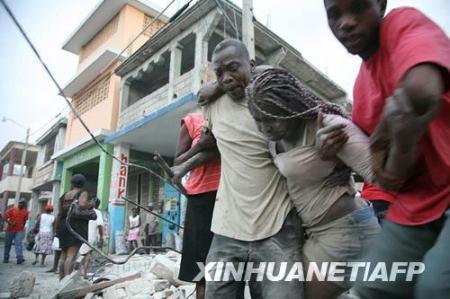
[(252, 201)]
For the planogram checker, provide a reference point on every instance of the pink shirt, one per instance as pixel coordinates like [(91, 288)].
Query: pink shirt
[(204, 178)]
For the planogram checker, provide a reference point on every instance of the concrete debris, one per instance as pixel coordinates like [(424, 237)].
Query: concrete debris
[(142, 277), (23, 285), (5, 295), (72, 282), (165, 268), (160, 284)]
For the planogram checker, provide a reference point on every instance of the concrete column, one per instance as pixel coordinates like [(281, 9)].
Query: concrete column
[(66, 176), (116, 209), (12, 161), (174, 69), (201, 52), (34, 204), (56, 191), (4, 202), (1, 170), (104, 177)]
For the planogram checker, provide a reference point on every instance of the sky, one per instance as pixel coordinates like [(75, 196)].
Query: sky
[(29, 97)]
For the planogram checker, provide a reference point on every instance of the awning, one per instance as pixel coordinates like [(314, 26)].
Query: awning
[(157, 131)]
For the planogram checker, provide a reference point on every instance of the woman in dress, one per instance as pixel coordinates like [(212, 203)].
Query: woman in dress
[(133, 232), (338, 225), (44, 237), (69, 243)]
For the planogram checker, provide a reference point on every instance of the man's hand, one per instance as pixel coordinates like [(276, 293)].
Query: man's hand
[(179, 172), (207, 140), (329, 140), (398, 133), (208, 93)]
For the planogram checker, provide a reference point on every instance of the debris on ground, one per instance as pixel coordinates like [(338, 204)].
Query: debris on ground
[(142, 277), (23, 285)]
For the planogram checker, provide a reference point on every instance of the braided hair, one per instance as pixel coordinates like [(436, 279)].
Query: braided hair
[(276, 93)]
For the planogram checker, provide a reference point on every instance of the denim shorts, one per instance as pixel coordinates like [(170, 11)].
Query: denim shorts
[(342, 240)]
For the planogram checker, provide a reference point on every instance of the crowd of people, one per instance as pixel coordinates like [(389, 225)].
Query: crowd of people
[(284, 192)]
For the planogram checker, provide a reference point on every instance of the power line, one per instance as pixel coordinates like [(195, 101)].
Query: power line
[(76, 113)]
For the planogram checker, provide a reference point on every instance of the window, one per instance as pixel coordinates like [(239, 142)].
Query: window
[(187, 53), (156, 76)]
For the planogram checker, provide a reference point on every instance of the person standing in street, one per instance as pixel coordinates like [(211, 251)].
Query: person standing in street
[(69, 243), (95, 235), (16, 218), (201, 188), (151, 228), (44, 237), (133, 230)]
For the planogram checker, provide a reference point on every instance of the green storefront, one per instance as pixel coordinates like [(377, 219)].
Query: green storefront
[(94, 164)]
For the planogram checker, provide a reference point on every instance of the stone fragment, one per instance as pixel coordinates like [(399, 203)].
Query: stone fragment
[(160, 284), (23, 285)]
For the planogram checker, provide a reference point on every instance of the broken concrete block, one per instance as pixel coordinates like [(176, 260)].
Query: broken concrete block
[(163, 294), (23, 285), (130, 288), (5, 295), (161, 284), (115, 292), (187, 291), (71, 282), (165, 268)]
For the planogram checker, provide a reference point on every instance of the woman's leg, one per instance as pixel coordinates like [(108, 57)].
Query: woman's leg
[(71, 256), (43, 259), (200, 290), (36, 257), (62, 263)]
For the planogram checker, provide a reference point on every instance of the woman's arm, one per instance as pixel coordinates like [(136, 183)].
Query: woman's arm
[(355, 152), (83, 201)]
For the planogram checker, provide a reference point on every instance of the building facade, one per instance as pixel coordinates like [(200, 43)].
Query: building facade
[(158, 86), (47, 176), (10, 165), (94, 90)]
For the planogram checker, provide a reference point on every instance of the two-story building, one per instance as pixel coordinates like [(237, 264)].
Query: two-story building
[(47, 175), (160, 80), (10, 165), (94, 90)]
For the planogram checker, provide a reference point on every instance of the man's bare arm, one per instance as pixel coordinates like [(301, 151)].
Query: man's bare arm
[(195, 161), (406, 118)]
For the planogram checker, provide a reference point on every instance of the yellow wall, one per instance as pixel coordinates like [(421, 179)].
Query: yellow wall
[(104, 115)]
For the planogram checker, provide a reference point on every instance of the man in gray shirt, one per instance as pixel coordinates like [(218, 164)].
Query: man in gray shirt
[(253, 221)]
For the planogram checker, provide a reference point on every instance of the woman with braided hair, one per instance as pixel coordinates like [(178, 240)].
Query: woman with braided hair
[(338, 225)]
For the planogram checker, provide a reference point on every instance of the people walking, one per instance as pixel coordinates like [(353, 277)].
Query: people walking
[(16, 218), (44, 237)]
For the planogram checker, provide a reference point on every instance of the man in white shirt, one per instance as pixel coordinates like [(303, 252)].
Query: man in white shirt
[(95, 234)]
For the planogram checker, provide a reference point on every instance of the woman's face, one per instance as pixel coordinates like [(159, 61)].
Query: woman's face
[(274, 129)]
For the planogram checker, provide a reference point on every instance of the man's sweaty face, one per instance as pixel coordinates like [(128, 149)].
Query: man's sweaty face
[(233, 71)]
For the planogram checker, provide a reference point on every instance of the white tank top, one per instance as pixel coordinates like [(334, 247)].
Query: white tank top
[(46, 224)]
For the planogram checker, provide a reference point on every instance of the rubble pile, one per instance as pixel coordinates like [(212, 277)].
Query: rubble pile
[(142, 277)]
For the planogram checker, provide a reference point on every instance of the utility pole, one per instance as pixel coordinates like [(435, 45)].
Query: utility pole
[(22, 164), (248, 29)]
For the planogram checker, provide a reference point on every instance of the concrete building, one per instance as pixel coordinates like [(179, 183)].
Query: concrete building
[(94, 90), (47, 175), (10, 160), (158, 86)]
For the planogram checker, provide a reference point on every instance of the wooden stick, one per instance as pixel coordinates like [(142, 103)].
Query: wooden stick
[(81, 292)]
